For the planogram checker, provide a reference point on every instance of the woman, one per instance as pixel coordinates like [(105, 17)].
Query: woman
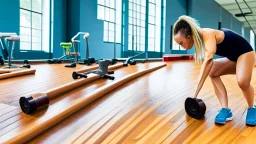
[(238, 58)]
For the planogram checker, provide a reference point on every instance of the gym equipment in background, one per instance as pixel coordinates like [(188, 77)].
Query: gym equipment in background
[(102, 71), (30, 104), (5, 40), (195, 108), (67, 53), (88, 60)]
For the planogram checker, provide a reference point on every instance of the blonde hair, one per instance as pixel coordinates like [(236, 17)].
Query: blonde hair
[(189, 26)]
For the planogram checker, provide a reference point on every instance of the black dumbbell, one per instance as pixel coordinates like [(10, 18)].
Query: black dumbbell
[(50, 61), (111, 72), (25, 66), (108, 77), (25, 62), (195, 108), (76, 75), (71, 65), (132, 62)]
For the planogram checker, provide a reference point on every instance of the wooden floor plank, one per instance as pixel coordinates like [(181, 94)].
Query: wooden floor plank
[(149, 109)]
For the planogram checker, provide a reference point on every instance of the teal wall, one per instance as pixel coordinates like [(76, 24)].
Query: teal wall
[(72, 16), (82, 17), (9, 21)]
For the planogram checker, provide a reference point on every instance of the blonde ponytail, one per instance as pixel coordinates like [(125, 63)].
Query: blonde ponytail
[(196, 35)]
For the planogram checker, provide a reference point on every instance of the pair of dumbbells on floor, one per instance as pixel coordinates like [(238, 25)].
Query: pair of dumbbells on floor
[(102, 71), (25, 63)]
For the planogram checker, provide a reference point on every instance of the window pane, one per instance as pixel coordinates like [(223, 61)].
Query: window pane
[(105, 25), (36, 39), (152, 1), (112, 15), (129, 46), (111, 27), (130, 29), (25, 31), (118, 5), (142, 23), (37, 5), (112, 3), (25, 46), (142, 47), (143, 10), (100, 12), (142, 32), (252, 39), (134, 14), (36, 21), (36, 46), (138, 2), (25, 38), (142, 16), (25, 18), (151, 30), (138, 40), (138, 15), (151, 19), (111, 36), (106, 14), (138, 31), (151, 47), (130, 38), (143, 2), (138, 8), (26, 4), (130, 13), (118, 17), (36, 33), (152, 9), (158, 2), (118, 33), (158, 20), (157, 44), (101, 2), (105, 35), (138, 22), (142, 40), (107, 3), (130, 6)]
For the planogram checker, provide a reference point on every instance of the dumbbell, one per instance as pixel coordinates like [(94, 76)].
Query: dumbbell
[(76, 75), (195, 108), (25, 62), (25, 66), (108, 77)]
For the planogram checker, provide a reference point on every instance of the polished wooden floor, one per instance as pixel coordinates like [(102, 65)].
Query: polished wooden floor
[(149, 109)]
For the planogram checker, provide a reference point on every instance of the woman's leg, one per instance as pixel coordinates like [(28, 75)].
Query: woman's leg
[(222, 66), (245, 64)]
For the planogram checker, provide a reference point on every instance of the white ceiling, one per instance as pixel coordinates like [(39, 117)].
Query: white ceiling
[(232, 7)]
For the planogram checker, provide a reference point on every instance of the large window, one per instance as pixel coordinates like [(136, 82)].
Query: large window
[(137, 17), (34, 26), (110, 12), (252, 39), (143, 23), (154, 25)]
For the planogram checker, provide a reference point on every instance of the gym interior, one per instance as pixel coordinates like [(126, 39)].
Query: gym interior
[(109, 71)]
